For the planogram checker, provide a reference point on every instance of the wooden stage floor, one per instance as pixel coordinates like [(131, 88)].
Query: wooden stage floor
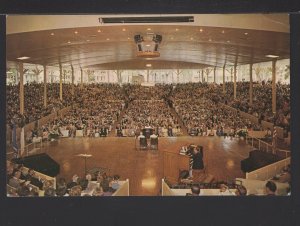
[(145, 168)]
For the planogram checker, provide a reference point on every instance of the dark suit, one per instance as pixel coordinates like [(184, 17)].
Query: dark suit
[(198, 160)]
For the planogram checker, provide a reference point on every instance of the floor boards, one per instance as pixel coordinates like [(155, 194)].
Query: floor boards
[(145, 168)]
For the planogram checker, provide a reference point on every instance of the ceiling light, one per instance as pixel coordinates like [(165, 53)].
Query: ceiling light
[(87, 40), (172, 38), (23, 58), (124, 29), (209, 39), (246, 33), (272, 56), (148, 65), (228, 41), (69, 42), (148, 29), (148, 58), (99, 31), (201, 30), (128, 38), (76, 32), (148, 45), (52, 34), (176, 29), (192, 38), (223, 32), (107, 39)]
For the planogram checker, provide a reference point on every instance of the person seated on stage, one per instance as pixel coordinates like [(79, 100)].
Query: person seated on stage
[(270, 188), (195, 189), (15, 180), (106, 189), (83, 183), (61, 188), (74, 182), (241, 191), (33, 179), (23, 191), (114, 184)]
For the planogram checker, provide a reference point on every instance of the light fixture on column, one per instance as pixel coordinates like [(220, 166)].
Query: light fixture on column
[(148, 47)]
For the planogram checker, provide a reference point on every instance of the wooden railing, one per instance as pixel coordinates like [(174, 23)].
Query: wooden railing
[(265, 125), (264, 146), (269, 171)]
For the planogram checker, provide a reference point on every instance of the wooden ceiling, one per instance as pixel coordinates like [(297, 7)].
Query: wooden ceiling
[(113, 47)]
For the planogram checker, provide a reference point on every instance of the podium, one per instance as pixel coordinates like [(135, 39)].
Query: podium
[(147, 132), (174, 163)]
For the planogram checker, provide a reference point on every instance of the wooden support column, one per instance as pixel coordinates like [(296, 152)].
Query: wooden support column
[(147, 75), (251, 85), (60, 83), (215, 74), (224, 89), (22, 134), (234, 82), (178, 75), (274, 86), (202, 75), (45, 86), (207, 76), (21, 72), (72, 70), (81, 78)]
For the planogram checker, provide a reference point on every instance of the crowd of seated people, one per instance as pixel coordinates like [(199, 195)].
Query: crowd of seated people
[(204, 117), (94, 114), (25, 183), (147, 107), (22, 181), (262, 100), (99, 105)]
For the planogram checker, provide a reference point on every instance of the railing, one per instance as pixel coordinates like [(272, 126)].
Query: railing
[(264, 146), (33, 147), (269, 171)]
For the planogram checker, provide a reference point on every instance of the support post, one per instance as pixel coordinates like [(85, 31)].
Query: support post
[(147, 75), (21, 72), (81, 78), (215, 74), (234, 82), (251, 85), (60, 83), (202, 75), (22, 135), (72, 70), (224, 89), (45, 86), (274, 86)]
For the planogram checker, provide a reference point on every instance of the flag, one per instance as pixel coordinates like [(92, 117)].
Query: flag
[(14, 139)]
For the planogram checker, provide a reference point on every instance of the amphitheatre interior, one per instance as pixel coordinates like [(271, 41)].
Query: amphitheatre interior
[(86, 93)]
